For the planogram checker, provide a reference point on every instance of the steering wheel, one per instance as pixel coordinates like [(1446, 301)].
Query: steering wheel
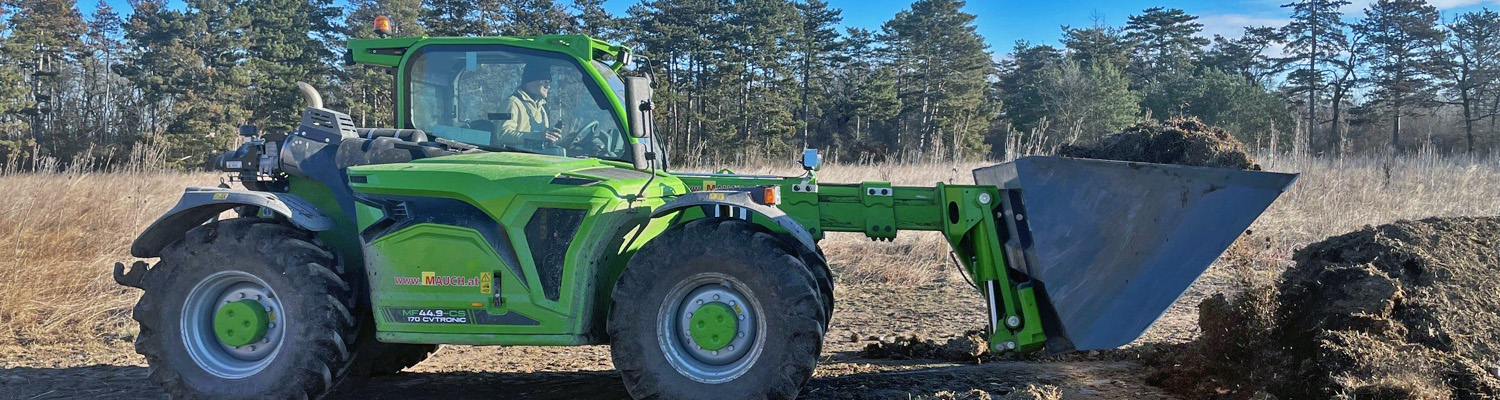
[(587, 134)]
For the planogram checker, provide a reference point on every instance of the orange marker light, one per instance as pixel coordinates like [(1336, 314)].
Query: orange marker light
[(383, 25), (773, 195)]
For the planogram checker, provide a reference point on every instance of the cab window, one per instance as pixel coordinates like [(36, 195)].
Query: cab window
[(512, 99)]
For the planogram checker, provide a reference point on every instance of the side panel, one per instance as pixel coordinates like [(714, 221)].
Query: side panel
[(493, 255)]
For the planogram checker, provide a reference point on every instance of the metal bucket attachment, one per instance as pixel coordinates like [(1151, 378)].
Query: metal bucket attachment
[(1111, 244)]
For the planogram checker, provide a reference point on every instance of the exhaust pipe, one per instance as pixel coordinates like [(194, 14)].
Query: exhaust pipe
[(310, 94)]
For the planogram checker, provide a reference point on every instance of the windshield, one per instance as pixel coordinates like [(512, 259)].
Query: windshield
[(610, 78), (507, 98)]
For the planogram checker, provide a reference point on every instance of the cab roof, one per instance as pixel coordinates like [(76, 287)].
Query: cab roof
[(388, 52)]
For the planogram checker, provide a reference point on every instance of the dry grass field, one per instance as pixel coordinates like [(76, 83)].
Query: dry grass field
[(59, 234)]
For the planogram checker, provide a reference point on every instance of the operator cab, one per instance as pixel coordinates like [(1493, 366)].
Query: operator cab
[(479, 95)]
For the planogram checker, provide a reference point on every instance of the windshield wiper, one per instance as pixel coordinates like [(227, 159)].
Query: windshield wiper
[(454, 144)]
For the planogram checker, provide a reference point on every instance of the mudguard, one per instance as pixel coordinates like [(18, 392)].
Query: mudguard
[(199, 205), (802, 238)]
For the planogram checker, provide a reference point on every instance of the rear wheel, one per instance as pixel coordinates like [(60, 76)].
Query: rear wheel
[(245, 308), (716, 308)]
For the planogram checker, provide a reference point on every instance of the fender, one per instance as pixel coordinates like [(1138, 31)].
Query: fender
[(801, 238), (198, 205)]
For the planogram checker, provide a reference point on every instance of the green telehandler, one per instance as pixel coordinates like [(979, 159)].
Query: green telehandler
[(522, 199)]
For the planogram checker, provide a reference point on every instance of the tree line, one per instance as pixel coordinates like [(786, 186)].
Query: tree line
[(741, 80)]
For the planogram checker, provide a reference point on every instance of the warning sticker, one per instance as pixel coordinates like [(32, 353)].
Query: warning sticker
[(486, 283)]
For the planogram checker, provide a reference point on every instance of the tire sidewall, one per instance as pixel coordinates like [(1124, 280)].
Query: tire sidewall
[(300, 363), (783, 322), (174, 350)]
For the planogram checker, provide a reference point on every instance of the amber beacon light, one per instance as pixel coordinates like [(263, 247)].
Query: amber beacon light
[(383, 25)]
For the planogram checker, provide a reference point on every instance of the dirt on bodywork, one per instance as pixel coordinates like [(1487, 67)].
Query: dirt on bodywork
[(1406, 310), (1182, 141)]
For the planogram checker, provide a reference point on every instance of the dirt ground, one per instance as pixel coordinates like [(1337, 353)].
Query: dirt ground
[(937, 310)]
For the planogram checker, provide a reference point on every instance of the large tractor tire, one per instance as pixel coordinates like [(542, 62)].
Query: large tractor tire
[(716, 308), (818, 265), (245, 308)]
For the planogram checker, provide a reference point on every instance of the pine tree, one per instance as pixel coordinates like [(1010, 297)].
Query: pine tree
[(1019, 77), (188, 64), (1315, 33), (1403, 55), (863, 101), (758, 74), (1244, 55), (531, 17), (369, 89), (44, 43), (944, 68), (592, 19), (1472, 70), (1099, 43), (287, 44), (816, 57), (1166, 42), (1084, 103), (456, 17), (103, 46)]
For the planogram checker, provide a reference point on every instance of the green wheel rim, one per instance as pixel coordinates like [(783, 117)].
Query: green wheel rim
[(713, 326), (242, 322), (721, 349), (205, 322)]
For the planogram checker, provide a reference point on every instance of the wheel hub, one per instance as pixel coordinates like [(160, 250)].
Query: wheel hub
[(241, 322), (232, 324), (713, 326)]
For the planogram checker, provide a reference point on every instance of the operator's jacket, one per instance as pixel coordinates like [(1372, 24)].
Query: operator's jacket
[(528, 119)]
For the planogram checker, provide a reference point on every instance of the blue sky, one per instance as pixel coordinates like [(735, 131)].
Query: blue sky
[(1004, 22)]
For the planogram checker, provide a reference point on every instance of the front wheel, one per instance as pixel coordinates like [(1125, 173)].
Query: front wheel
[(245, 309), (716, 308)]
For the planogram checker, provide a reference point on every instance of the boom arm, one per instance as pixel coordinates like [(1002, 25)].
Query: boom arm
[(967, 215)]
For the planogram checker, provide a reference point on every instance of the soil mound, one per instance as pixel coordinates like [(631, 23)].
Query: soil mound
[(969, 347), (1182, 141), (1407, 310)]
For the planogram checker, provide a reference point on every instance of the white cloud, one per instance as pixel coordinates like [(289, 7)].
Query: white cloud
[(1233, 25)]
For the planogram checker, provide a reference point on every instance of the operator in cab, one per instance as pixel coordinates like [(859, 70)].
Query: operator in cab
[(528, 109)]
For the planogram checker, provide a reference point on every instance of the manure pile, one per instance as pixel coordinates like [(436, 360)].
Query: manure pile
[(1408, 310), (1182, 141)]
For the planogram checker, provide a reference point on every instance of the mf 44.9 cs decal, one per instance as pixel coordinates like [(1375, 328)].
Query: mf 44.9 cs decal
[(429, 316)]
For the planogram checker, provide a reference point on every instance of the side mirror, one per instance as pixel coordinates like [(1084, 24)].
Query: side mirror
[(811, 160), (638, 105), (249, 130)]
